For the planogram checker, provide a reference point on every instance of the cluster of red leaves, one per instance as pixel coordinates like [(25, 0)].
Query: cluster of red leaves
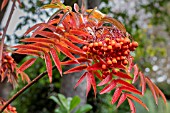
[(103, 52), (9, 70), (9, 108)]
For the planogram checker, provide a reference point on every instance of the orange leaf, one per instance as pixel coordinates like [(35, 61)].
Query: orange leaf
[(80, 60), (123, 75), (75, 39), (109, 87), (106, 80), (44, 40), (121, 100), (28, 52), (33, 28), (114, 22), (124, 83), (76, 69), (92, 81), (56, 60), (80, 79), (143, 82), (116, 95), (137, 100), (47, 34), (4, 3), (88, 85), (26, 64), (135, 73), (130, 89), (48, 65), (79, 33), (132, 106)]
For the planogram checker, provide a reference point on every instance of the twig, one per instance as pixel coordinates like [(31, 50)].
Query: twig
[(4, 31), (24, 88)]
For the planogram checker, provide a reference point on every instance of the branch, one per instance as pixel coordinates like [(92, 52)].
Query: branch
[(24, 88), (4, 31)]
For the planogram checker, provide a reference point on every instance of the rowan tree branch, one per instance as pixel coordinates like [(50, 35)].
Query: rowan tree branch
[(4, 31), (24, 88)]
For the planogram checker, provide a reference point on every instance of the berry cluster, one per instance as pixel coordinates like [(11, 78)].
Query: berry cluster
[(113, 51)]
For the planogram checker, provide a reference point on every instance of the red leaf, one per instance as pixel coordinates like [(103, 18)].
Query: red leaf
[(124, 83), (80, 80), (75, 39), (131, 64), (150, 84), (48, 65), (106, 80), (28, 52), (134, 90), (132, 106), (71, 45), (137, 100), (135, 73), (88, 85), (47, 34), (44, 40), (92, 81), (79, 33), (120, 66), (26, 64), (116, 95), (4, 3), (121, 100), (25, 77), (80, 60), (96, 66), (33, 28), (56, 60), (109, 87), (143, 82), (76, 69), (66, 51), (160, 92), (123, 75)]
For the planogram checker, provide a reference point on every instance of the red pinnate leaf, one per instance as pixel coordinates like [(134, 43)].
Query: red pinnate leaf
[(132, 106), (96, 66), (4, 3), (28, 52), (47, 34), (109, 87), (75, 39), (135, 73), (124, 83), (48, 65), (116, 95), (26, 64), (71, 45), (121, 100), (65, 51), (143, 82), (150, 84), (79, 33), (123, 75), (33, 28), (130, 89), (44, 40), (80, 60), (56, 60), (137, 100), (80, 80), (88, 85), (76, 69), (92, 81), (160, 93), (106, 80)]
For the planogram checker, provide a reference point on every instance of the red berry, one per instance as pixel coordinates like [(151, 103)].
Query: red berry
[(104, 67), (109, 62), (135, 44)]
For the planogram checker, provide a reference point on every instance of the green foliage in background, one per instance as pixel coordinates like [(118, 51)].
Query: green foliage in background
[(67, 105)]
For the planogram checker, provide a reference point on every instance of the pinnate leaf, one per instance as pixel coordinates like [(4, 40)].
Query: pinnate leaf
[(92, 81), (106, 80), (76, 69), (26, 64), (121, 100), (123, 75), (116, 95), (109, 87), (132, 106), (135, 73), (143, 82), (80, 79), (130, 89)]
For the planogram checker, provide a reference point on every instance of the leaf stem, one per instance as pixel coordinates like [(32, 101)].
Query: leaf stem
[(4, 31)]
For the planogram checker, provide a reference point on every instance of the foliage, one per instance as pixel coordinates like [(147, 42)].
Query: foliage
[(67, 105), (105, 52)]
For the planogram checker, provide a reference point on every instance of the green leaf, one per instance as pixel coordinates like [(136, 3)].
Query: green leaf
[(84, 109), (74, 102), (55, 100), (64, 101)]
